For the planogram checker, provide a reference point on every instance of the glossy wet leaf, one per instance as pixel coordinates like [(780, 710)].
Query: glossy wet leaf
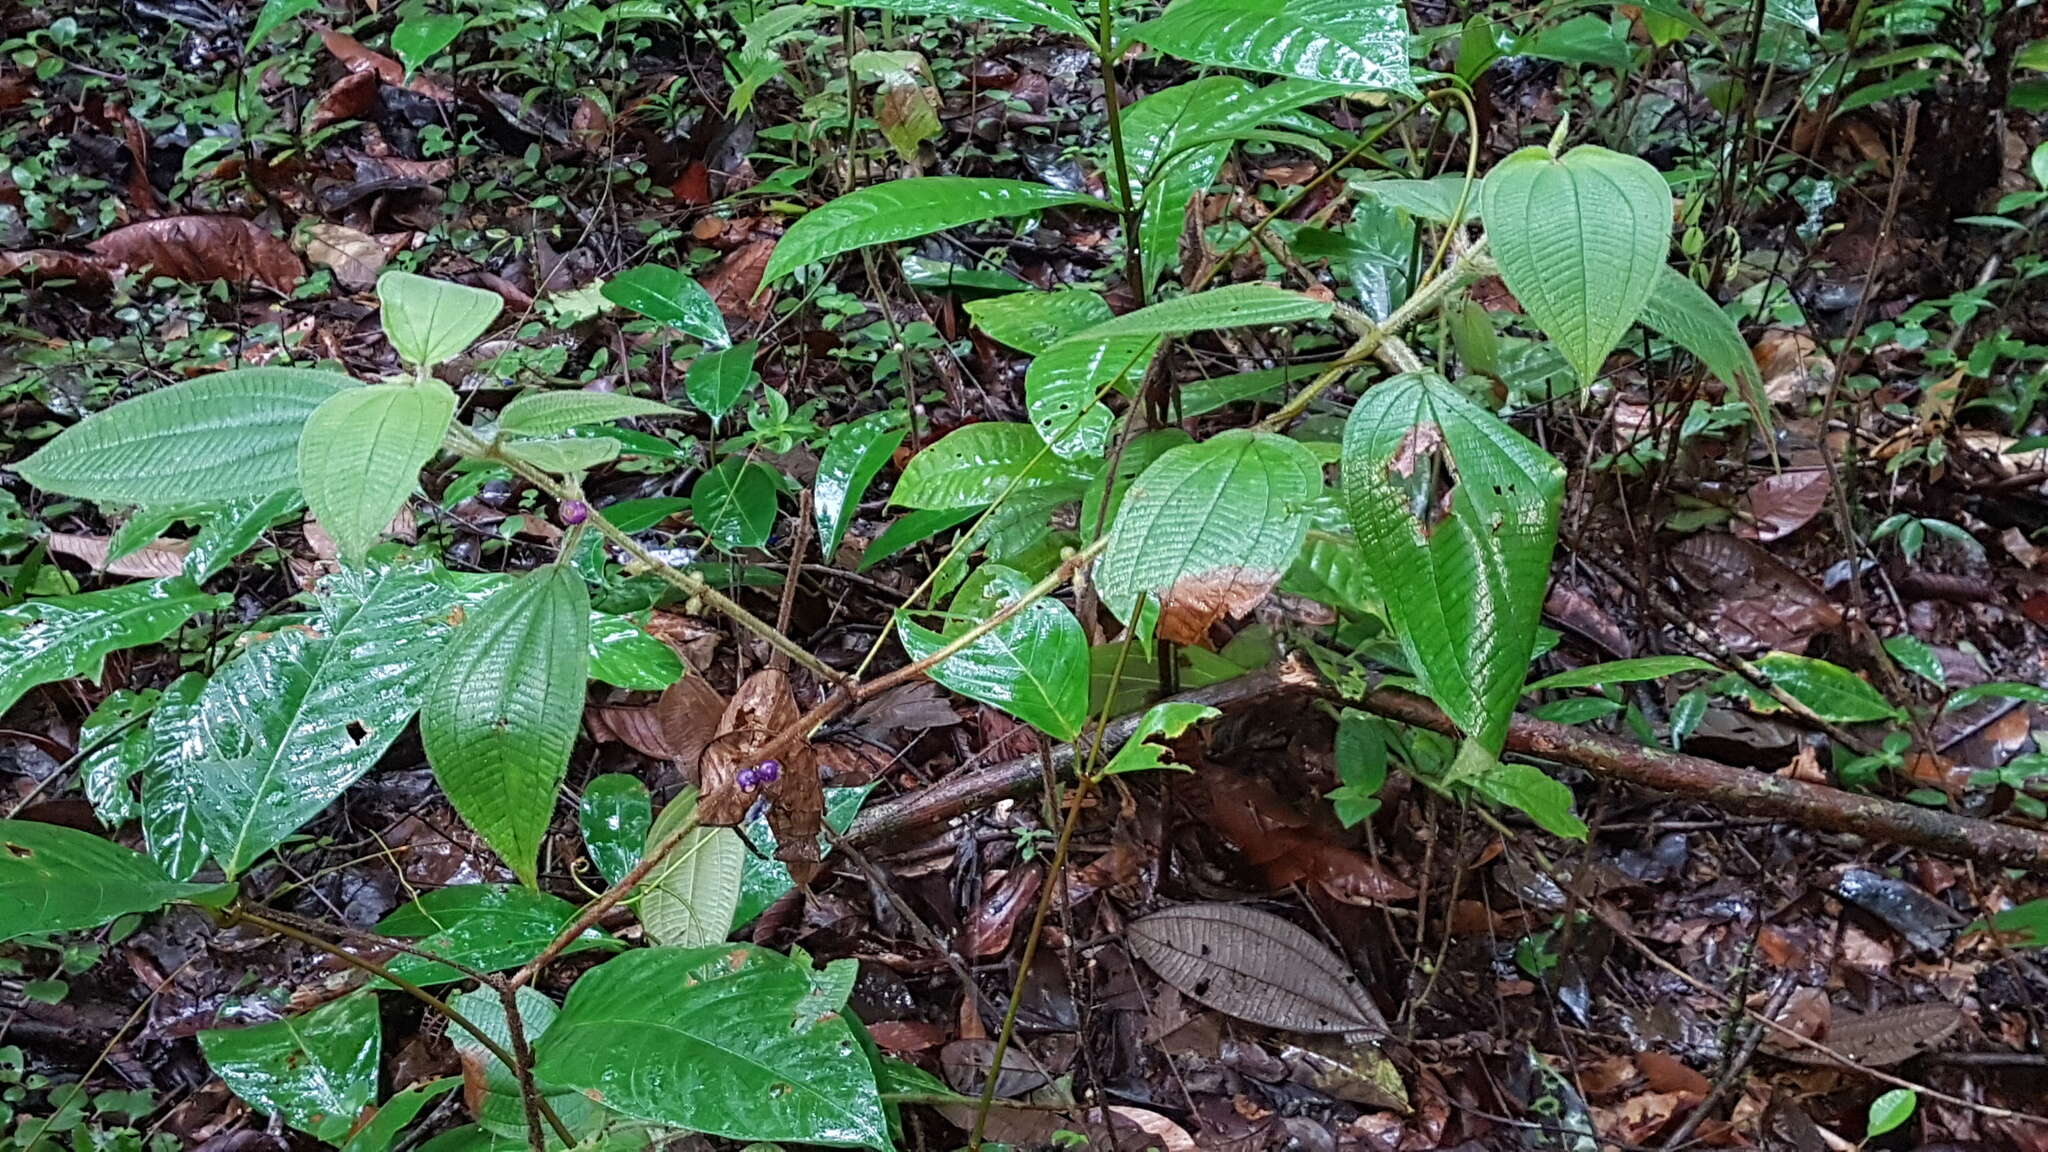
[(60, 637), (115, 747), (1530, 790), (229, 436), (1801, 14), (731, 1040), (1834, 693), (361, 455), (1031, 322), (432, 321), (488, 927), (625, 655), (669, 297), (974, 466), (1683, 313), (1621, 672), (547, 413), (57, 879), (734, 503), (1255, 966), (766, 878), (421, 36), (905, 209), (1208, 529), (1890, 1111), (233, 527), (274, 15), (1146, 747), (394, 1114), (1915, 656), (170, 821), (856, 453), (1456, 516), (316, 1071), (1356, 43), (716, 380), (503, 708), (910, 530), (1581, 241), (1034, 666), (614, 815), (689, 898), (1435, 199), (1054, 14), (492, 1089)]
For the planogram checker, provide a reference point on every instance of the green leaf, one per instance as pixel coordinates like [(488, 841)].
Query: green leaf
[(1054, 14), (361, 456), (1526, 788), (421, 37), (716, 380), (1161, 722), (636, 516), (547, 413), (65, 636), (1834, 693), (766, 878), (1463, 591), (614, 814), (1435, 199), (1361, 755), (432, 321), (689, 899), (625, 655), (905, 209), (724, 1039), (1576, 710), (496, 1100), (1801, 14), (57, 879), (1208, 529), (734, 503), (2031, 693), (116, 746), (564, 456), (669, 297), (1683, 313), (488, 927), (1581, 243), (233, 528), (503, 708), (1891, 1110), (911, 530), (316, 1071), (1621, 672), (854, 456), (275, 14), (394, 1114), (170, 824), (1035, 666), (1356, 43), (1031, 322), (1916, 657), (230, 436), (972, 467), (2026, 925), (1585, 39)]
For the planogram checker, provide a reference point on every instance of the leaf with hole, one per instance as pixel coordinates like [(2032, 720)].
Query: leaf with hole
[(430, 321), (316, 1071), (1255, 966), (1160, 723), (734, 503), (488, 927), (905, 210), (717, 379), (361, 455), (667, 296), (689, 898), (856, 454), (57, 879), (1356, 43), (1034, 666), (61, 637)]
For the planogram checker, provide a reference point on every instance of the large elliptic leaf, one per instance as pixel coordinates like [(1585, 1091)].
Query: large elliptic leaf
[(317, 1071), (1035, 666), (1456, 515), (361, 456), (1581, 242), (731, 1040), (488, 927), (669, 297), (548, 413), (973, 466), (501, 712), (854, 456), (1683, 312), (1356, 43), (689, 898), (1061, 385), (430, 321), (57, 879), (302, 713), (230, 436), (1208, 530), (1055, 14), (717, 379), (65, 636), (903, 209), (734, 503)]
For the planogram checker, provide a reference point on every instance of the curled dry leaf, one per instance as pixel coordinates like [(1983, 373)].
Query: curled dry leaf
[(733, 283), (156, 560), (350, 98), (201, 249), (995, 921), (1793, 367), (356, 58), (760, 711), (354, 257), (1777, 506), (1286, 844), (1255, 966), (677, 726), (1196, 602)]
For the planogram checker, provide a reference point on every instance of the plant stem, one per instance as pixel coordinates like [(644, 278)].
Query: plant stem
[(1128, 201)]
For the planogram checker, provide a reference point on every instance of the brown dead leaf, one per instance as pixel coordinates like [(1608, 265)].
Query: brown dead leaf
[(1777, 506), (762, 710), (1638, 1120), (1876, 1040), (677, 726), (349, 98), (906, 1035), (40, 264), (354, 257), (356, 58), (201, 249), (1278, 838), (1793, 366), (1664, 1072), (157, 560), (1004, 904), (733, 283), (402, 527), (1193, 604), (1753, 602)]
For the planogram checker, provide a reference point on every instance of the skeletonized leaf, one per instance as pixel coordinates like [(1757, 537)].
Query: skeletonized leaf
[(1255, 966), (1356, 43), (317, 1071), (361, 454), (1035, 666), (904, 209), (57, 879), (690, 897), (1054, 14), (65, 636), (547, 413), (429, 321)]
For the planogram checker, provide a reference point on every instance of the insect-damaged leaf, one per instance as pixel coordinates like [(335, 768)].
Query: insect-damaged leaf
[(1255, 966)]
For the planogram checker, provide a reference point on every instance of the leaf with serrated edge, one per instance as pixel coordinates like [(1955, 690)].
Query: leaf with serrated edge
[(689, 899), (361, 456), (431, 321), (1035, 666), (57, 879), (546, 413), (906, 209), (229, 436), (316, 1071), (854, 456), (1356, 43), (1255, 966), (59, 637), (502, 710)]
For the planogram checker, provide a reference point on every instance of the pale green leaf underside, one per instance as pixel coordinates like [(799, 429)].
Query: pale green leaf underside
[(1356, 43), (1035, 666), (546, 413), (1684, 314), (690, 898), (904, 209), (361, 454), (430, 321)]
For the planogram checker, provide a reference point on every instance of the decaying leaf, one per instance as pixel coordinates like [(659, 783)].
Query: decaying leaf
[(1280, 839), (155, 560), (1879, 1039), (1780, 505), (761, 711), (354, 257), (677, 726), (201, 249), (1753, 602), (1255, 966)]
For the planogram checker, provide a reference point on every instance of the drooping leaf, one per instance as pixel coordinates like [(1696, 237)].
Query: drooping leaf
[(716, 380), (492, 1089), (912, 529), (1527, 788), (1621, 672), (734, 503), (973, 466), (430, 321), (502, 710), (1208, 529), (1054, 14), (905, 209), (488, 927), (1581, 242), (1683, 313), (1031, 322), (1456, 516), (564, 455), (1163, 721), (732, 1040), (689, 898), (421, 36), (316, 1071), (230, 436), (548, 413), (115, 747), (60, 637), (854, 456), (614, 814), (669, 297), (57, 879), (234, 527), (1035, 666), (1356, 43), (361, 455)]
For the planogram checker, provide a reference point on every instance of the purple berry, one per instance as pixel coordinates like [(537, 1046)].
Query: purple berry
[(769, 771), (749, 780), (575, 511)]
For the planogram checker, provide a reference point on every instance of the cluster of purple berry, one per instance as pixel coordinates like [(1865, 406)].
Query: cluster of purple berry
[(766, 772)]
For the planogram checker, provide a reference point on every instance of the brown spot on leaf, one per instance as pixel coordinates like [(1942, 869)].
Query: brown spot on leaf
[(1195, 602)]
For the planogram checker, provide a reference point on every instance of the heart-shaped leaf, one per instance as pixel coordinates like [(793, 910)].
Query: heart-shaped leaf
[(431, 321)]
